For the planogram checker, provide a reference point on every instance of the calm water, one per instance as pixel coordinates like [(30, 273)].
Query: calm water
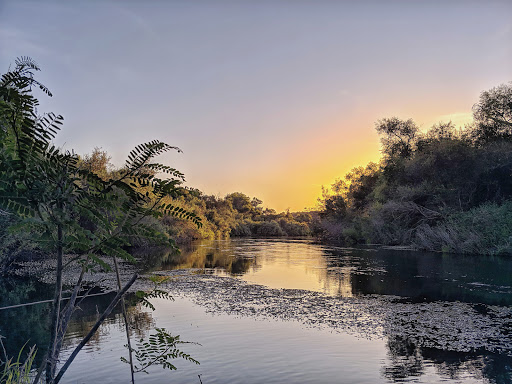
[(242, 343)]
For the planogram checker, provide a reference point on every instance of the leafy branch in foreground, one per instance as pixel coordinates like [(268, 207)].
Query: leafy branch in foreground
[(69, 209), (159, 349), (155, 293)]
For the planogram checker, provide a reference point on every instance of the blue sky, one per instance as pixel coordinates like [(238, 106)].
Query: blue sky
[(269, 98)]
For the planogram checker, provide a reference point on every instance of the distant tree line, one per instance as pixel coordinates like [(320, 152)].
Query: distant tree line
[(234, 215)]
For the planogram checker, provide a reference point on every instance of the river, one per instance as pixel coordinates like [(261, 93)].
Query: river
[(292, 311)]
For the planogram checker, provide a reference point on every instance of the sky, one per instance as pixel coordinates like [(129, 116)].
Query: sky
[(270, 98)]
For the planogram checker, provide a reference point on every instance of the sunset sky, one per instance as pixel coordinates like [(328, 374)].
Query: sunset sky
[(270, 98)]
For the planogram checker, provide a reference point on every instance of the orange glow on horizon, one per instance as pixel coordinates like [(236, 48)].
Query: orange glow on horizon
[(293, 177)]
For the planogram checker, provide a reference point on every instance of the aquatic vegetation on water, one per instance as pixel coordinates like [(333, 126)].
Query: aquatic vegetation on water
[(450, 326)]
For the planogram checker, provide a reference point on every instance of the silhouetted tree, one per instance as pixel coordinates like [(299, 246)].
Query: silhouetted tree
[(397, 137), (493, 115)]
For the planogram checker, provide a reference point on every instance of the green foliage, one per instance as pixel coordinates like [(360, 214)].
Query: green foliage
[(269, 229), (73, 205), (486, 229), (333, 206), (397, 137), (101, 212), (160, 349), (430, 186), (493, 115), (244, 228), (294, 228), (98, 162), (240, 202), (235, 215), (155, 293), (17, 371)]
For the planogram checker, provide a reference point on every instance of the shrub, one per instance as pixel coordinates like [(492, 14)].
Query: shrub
[(242, 228), (269, 228), (486, 229), (294, 228)]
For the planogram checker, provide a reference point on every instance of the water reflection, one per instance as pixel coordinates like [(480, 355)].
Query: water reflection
[(338, 272), (31, 329), (300, 264), (34, 328), (407, 360), (141, 321), (208, 255)]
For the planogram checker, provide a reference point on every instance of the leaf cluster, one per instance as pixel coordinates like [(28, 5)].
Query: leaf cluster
[(160, 349)]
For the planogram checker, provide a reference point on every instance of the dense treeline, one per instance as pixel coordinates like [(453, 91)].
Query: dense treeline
[(446, 189), (235, 215)]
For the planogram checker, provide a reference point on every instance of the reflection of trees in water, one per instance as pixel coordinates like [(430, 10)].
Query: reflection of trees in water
[(211, 255), (416, 335), (141, 321), (416, 275), (421, 276), (407, 359), (425, 276), (19, 325)]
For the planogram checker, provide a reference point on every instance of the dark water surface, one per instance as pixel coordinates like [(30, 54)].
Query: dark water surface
[(290, 311)]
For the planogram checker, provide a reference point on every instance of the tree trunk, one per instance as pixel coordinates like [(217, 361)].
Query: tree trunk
[(126, 323), (53, 353), (93, 330)]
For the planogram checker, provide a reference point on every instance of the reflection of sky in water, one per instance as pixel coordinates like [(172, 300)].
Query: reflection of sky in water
[(336, 271), (296, 265), (238, 350), (290, 264), (238, 347)]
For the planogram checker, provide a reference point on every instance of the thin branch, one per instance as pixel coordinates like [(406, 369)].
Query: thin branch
[(126, 323), (93, 330), (51, 300)]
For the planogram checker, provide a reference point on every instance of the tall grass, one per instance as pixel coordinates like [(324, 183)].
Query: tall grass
[(17, 371)]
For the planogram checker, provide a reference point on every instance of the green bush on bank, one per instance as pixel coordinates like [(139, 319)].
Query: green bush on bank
[(486, 229)]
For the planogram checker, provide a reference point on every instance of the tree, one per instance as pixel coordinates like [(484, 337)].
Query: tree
[(397, 137), (97, 162), (53, 196), (255, 202), (333, 204), (361, 182), (241, 202), (493, 115)]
